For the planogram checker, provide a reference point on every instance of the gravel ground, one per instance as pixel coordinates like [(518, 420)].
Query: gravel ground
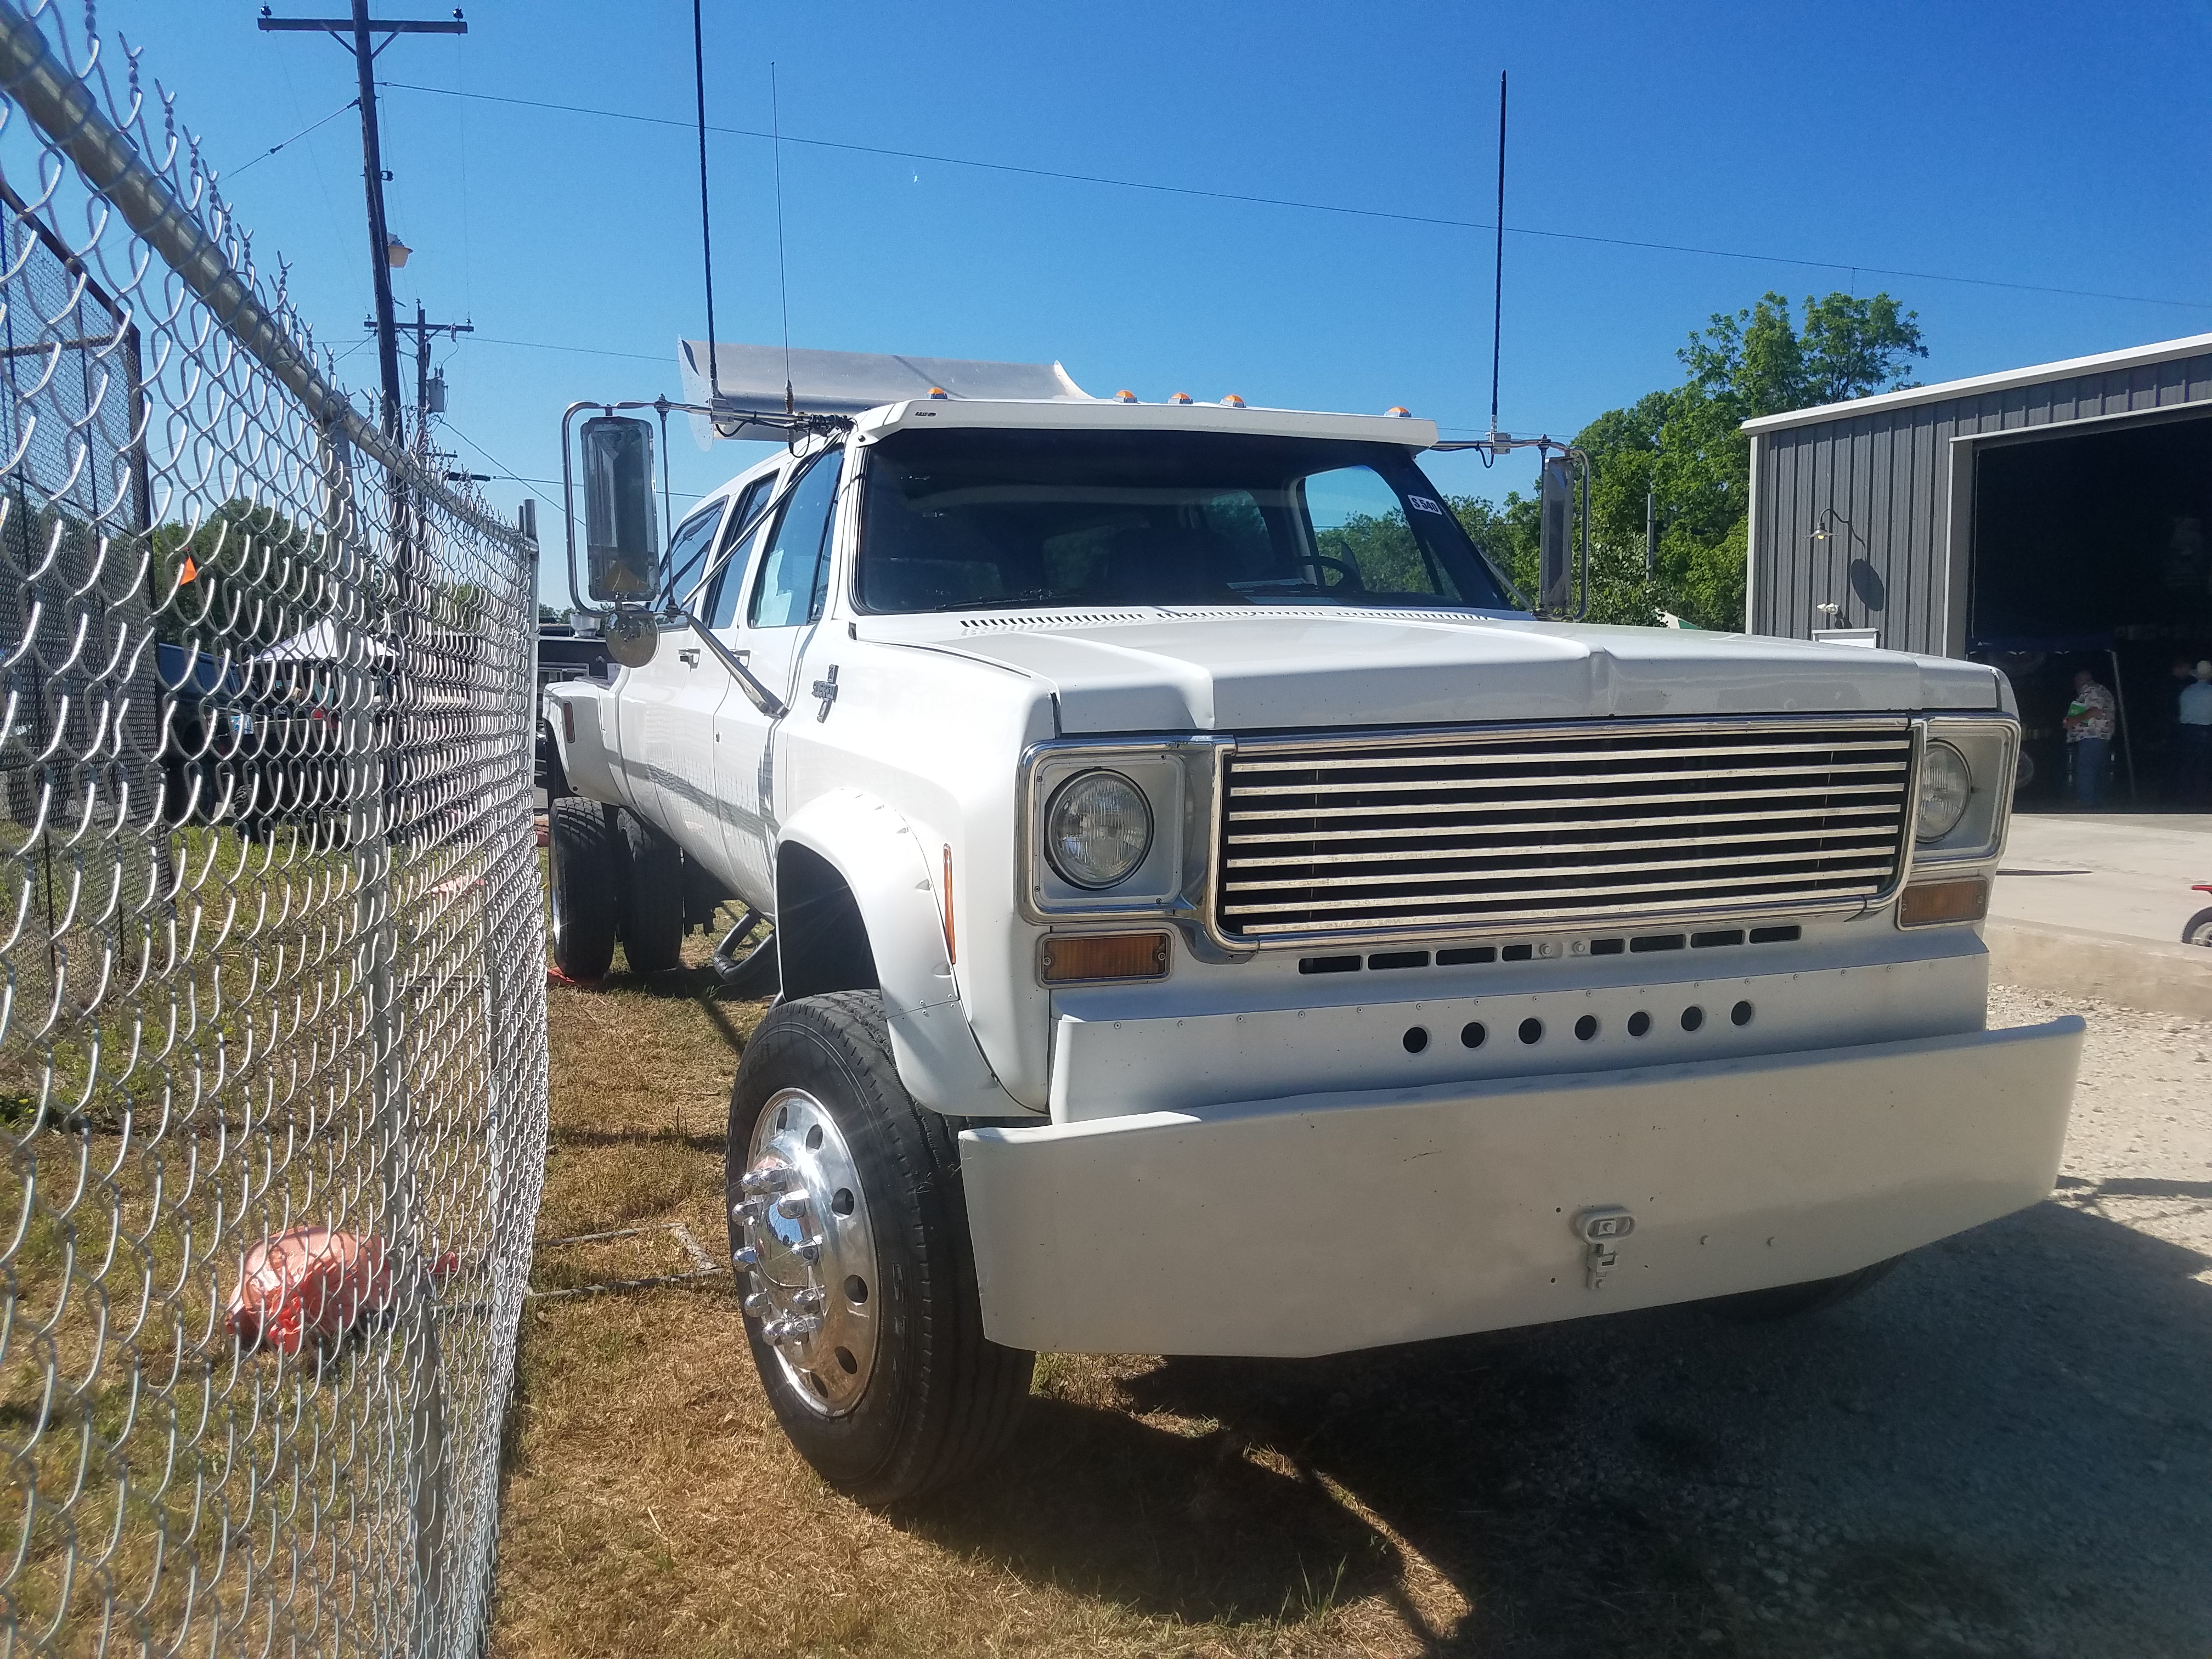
[(2005, 1447)]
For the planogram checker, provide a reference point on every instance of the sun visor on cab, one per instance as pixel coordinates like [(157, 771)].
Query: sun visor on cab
[(755, 377)]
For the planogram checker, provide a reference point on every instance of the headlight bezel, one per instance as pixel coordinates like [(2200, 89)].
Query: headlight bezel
[(1989, 746), (1174, 774), (1057, 802)]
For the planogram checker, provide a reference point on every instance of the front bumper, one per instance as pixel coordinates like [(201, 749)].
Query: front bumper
[(1329, 1222)]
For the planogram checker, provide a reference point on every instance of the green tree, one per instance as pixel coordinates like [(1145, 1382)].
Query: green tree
[(1684, 446), (236, 579)]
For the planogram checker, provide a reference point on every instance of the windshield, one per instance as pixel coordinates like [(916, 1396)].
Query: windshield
[(971, 519)]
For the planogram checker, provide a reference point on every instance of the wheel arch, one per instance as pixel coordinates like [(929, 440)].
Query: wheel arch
[(856, 908)]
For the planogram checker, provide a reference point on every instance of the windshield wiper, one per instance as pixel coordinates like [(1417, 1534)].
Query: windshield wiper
[(1034, 596)]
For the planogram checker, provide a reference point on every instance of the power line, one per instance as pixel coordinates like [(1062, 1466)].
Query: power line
[(508, 474), (1322, 207), (350, 103), (663, 358)]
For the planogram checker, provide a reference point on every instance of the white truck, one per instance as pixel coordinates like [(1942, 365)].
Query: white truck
[(1213, 915)]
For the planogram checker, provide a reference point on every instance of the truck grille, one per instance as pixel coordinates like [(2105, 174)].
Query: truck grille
[(1550, 825)]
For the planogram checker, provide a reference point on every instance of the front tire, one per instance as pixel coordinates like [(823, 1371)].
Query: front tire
[(585, 870), (2198, 930), (850, 1228)]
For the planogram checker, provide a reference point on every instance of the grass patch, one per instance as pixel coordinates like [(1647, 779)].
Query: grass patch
[(1356, 1505)]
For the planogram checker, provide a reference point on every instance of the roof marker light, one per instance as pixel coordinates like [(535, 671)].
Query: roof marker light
[(1399, 411), (1232, 401), (1125, 396), (1180, 398), (939, 392)]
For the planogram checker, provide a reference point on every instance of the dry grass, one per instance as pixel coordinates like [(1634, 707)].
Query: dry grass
[(1371, 1505)]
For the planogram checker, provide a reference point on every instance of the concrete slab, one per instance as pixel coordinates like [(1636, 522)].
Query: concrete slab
[(2114, 874)]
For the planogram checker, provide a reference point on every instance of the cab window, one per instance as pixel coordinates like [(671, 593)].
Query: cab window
[(687, 549), (795, 571), (721, 607)]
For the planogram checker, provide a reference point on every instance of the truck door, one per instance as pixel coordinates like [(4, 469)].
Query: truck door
[(666, 707), (785, 590)]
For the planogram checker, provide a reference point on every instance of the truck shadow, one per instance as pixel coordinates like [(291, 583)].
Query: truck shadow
[(2007, 1442)]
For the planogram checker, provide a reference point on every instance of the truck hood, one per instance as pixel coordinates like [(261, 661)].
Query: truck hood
[(1207, 669)]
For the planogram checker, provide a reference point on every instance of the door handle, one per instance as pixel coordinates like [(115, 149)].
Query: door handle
[(690, 657)]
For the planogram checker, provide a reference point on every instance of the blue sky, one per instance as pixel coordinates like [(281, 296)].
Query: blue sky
[(2049, 146)]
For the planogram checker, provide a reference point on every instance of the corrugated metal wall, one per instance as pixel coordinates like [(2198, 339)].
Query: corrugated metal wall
[(1888, 560)]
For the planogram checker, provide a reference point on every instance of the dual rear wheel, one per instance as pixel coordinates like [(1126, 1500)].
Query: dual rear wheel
[(615, 879)]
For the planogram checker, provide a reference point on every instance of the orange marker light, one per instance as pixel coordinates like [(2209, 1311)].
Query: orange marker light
[(939, 392), (1927, 903), (1232, 401), (1180, 398), (1125, 396), (951, 948), (1062, 959), (1400, 411)]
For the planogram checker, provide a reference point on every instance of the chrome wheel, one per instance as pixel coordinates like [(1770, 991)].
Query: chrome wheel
[(808, 1256)]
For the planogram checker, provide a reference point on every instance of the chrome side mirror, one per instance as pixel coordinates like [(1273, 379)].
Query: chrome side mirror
[(621, 525), (1555, 578)]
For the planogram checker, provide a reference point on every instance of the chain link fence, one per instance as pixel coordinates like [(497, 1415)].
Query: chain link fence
[(272, 1054)]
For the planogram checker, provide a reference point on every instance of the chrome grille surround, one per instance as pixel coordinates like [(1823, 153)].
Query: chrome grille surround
[(1559, 826)]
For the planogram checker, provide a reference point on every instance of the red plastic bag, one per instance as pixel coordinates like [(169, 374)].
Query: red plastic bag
[(310, 1284)]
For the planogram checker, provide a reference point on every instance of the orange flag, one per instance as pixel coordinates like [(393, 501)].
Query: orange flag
[(188, 572)]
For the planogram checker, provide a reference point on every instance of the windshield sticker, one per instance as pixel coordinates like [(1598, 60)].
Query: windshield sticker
[(1424, 504)]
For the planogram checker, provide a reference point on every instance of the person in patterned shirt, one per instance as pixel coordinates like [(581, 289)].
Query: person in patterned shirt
[(2089, 738)]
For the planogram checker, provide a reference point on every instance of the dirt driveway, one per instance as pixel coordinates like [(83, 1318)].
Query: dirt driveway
[(2003, 1448)]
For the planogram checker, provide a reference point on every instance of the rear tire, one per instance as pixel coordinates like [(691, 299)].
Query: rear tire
[(584, 862), (881, 1375), (2198, 929), (1788, 1301), (651, 923)]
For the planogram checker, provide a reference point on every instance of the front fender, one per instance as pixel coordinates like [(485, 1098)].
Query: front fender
[(887, 868)]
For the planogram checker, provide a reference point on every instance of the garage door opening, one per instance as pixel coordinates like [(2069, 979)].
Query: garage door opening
[(2090, 551)]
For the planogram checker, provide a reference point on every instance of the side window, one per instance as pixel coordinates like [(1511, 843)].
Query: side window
[(687, 549), (1360, 531), (795, 571), (721, 607)]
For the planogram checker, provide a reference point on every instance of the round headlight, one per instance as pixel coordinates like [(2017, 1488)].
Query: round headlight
[(1945, 788), (1097, 828)]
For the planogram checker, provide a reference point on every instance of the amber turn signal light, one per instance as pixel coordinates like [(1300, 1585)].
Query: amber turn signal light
[(1926, 903), (1063, 959)]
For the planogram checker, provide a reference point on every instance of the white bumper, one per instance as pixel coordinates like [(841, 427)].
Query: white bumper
[(1328, 1222)]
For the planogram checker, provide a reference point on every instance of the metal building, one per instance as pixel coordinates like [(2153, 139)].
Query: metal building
[(2043, 519)]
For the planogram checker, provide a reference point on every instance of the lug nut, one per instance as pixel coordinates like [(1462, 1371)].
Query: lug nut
[(809, 1249), (791, 1329), (745, 1256), (761, 1183), (791, 1206), (757, 1304), (808, 1301)]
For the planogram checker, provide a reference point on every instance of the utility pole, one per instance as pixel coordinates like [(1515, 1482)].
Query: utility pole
[(386, 741), (424, 332), (353, 34)]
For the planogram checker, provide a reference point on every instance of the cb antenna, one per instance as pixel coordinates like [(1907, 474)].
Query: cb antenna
[(706, 234), (782, 281), (1498, 274)]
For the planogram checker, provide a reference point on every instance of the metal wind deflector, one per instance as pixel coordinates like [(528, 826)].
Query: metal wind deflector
[(750, 381)]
